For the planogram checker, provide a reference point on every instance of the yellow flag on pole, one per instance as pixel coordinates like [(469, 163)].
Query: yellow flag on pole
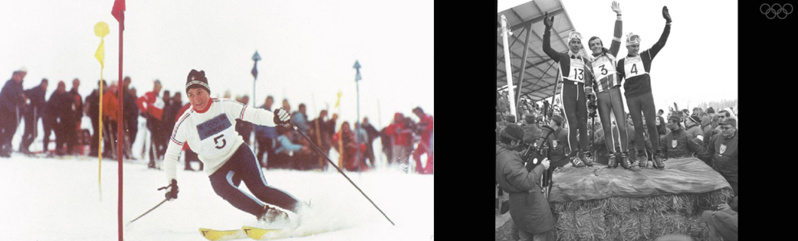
[(100, 54), (338, 102)]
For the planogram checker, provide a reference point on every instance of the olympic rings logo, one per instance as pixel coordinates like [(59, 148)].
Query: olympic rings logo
[(775, 10)]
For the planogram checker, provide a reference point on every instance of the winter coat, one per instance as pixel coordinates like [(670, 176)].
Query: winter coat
[(60, 106), (265, 131), (694, 131), (529, 209), (130, 112), (557, 147), (678, 144), (397, 137), (37, 103), (425, 125), (722, 153), (77, 100), (11, 97), (110, 105), (154, 105), (301, 121), (93, 100)]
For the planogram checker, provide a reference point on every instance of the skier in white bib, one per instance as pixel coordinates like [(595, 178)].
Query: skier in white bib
[(209, 128)]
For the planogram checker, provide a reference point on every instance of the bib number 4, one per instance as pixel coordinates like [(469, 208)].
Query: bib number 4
[(216, 141)]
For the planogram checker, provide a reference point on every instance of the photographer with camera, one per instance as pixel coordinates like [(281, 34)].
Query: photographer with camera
[(529, 208)]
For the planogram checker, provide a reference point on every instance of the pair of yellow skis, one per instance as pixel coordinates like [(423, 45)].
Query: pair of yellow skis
[(254, 233)]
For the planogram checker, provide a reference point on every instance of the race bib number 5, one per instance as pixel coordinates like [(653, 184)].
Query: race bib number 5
[(215, 135)]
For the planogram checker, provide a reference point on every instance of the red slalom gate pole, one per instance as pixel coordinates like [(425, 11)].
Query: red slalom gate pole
[(119, 132)]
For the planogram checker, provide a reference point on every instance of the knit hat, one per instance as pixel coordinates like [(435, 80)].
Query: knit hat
[(710, 110), (197, 79), (513, 132), (729, 121), (695, 119)]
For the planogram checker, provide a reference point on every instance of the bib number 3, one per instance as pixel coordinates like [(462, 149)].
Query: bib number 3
[(216, 141)]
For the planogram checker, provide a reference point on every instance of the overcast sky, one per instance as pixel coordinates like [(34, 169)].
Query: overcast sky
[(699, 60), (308, 49)]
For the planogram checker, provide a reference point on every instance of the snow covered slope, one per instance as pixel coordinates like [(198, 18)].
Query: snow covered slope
[(60, 199)]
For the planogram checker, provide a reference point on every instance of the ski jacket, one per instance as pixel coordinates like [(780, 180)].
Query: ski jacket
[(11, 97), (150, 103), (575, 68), (604, 64), (635, 69), (212, 133)]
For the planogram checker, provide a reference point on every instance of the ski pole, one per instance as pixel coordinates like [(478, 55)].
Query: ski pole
[(148, 211), (342, 172)]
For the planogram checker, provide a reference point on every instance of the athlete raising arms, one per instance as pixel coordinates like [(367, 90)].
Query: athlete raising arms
[(576, 78), (609, 97), (209, 128), (635, 68)]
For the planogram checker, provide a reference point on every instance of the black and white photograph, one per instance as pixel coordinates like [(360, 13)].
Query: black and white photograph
[(661, 76)]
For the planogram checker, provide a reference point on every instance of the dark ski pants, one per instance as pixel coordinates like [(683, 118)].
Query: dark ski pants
[(243, 166), (30, 132), (575, 106), (610, 102), (643, 105), (8, 126)]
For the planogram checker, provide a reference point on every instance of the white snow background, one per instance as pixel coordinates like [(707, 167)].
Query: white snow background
[(59, 199)]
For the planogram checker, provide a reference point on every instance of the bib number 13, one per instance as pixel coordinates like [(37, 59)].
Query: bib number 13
[(216, 141)]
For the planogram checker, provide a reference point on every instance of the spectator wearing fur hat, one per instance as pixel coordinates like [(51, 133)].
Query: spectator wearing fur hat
[(679, 143), (529, 208), (722, 152)]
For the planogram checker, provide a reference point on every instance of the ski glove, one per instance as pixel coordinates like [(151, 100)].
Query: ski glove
[(281, 116), (666, 14), (172, 192), (548, 21)]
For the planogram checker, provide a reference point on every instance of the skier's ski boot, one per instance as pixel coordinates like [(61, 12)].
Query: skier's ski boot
[(613, 163), (586, 158), (658, 162), (575, 161), (273, 217)]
